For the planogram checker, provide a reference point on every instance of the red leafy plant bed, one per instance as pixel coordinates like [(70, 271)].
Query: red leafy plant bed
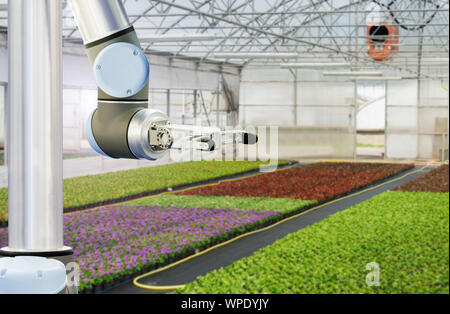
[(320, 181), (434, 181)]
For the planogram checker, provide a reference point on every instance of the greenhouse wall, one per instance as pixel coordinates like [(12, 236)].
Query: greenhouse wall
[(401, 119), (315, 117), (433, 120), (417, 120)]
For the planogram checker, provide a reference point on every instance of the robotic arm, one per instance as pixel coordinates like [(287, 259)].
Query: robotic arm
[(122, 126)]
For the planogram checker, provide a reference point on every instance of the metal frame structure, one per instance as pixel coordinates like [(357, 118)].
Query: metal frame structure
[(315, 29)]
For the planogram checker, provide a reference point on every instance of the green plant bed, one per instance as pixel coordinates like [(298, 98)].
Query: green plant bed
[(254, 203), (407, 234), (95, 189)]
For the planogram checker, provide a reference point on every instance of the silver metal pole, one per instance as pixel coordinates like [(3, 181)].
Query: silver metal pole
[(6, 126), (35, 127), (5, 122)]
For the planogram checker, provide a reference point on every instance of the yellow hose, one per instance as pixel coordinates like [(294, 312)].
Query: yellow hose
[(176, 287)]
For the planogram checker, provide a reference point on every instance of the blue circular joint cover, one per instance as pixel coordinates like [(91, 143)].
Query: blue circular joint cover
[(121, 70)]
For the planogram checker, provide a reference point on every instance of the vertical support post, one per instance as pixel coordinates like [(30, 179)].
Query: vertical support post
[(219, 92), (419, 104), (385, 117), (6, 125), (354, 122), (5, 121), (183, 113), (35, 172), (295, 98), (443, 148), (195, 104), (204, 108), (168, 103)]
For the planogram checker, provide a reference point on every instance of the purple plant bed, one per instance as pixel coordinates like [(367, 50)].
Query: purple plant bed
[(115, 243)]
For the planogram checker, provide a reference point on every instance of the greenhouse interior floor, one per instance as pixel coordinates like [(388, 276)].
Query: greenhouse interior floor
[(246, 246), (205, 215)]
